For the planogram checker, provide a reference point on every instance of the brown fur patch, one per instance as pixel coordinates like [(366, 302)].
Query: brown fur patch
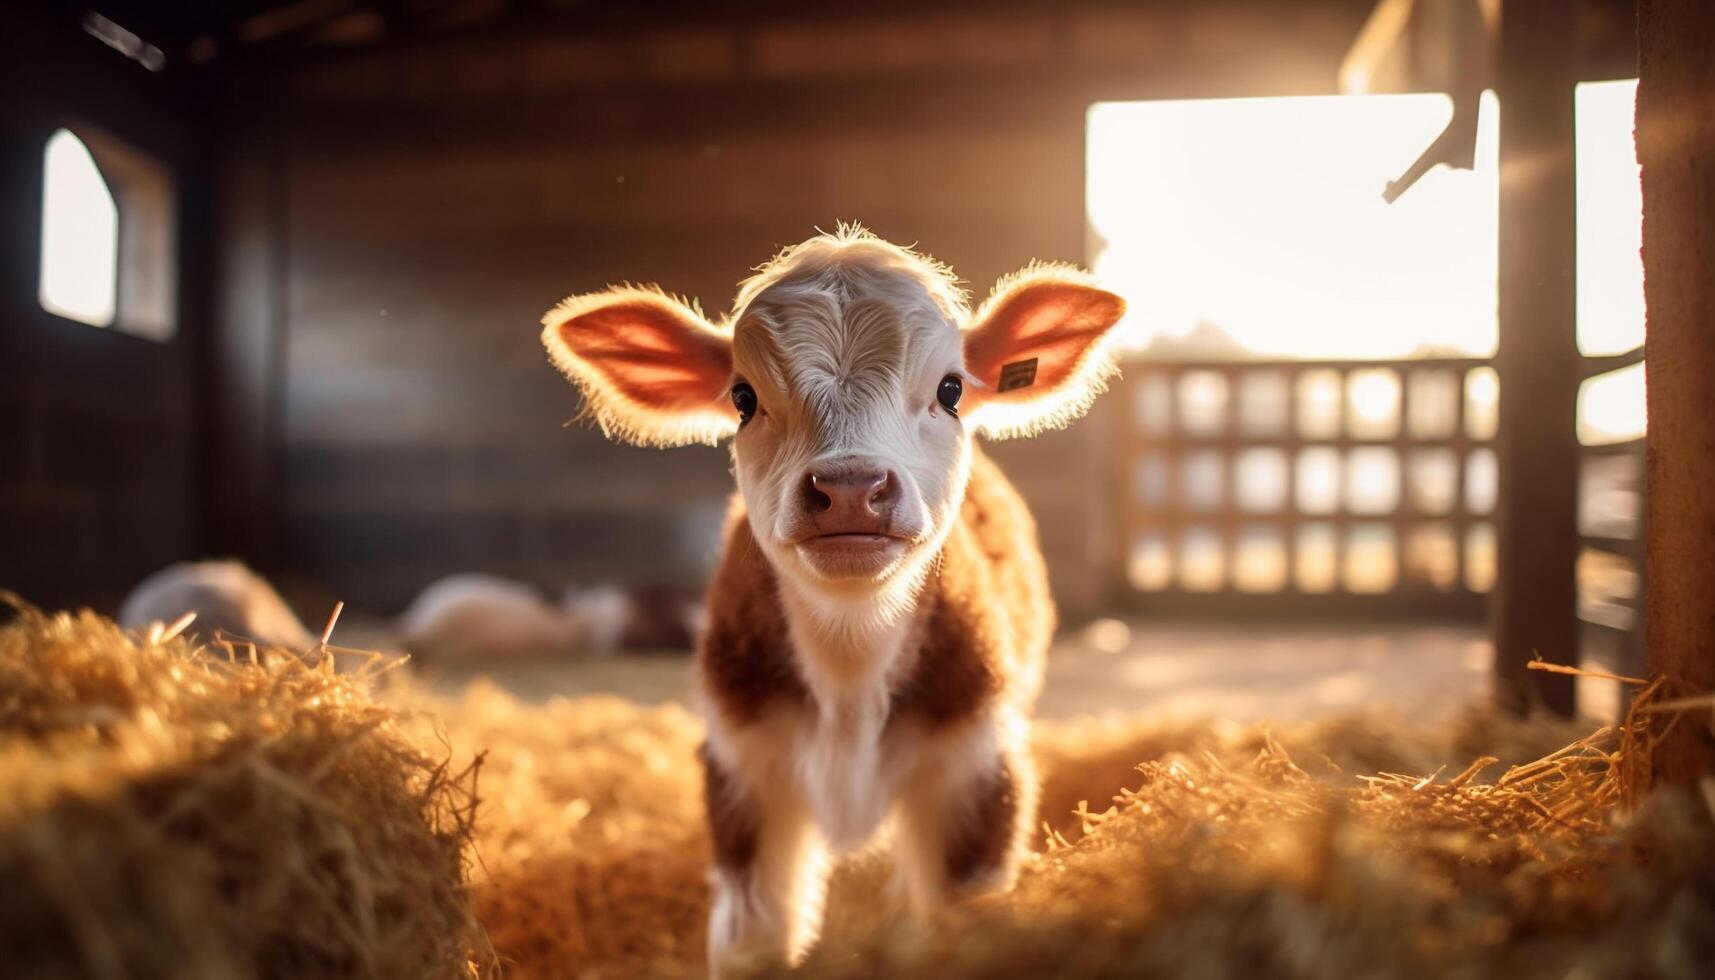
[(981, 839), (732, 818), (990, 617), (745, 657)]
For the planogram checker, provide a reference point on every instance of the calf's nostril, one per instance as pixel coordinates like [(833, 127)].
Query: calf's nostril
[(883, 491), (815, 501)]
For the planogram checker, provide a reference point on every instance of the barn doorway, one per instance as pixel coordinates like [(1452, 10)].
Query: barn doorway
[(1306, 427)]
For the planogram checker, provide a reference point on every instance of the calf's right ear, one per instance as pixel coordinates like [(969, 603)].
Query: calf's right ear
[(652, 370)]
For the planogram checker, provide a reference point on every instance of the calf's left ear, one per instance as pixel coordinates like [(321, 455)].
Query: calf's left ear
[(1036, 350), (653, 372)]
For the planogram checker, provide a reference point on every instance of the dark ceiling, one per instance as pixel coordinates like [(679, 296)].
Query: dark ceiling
[(200, 28), (200, 31)]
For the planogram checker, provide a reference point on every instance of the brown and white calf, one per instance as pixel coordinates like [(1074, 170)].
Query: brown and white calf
[(877, 627)]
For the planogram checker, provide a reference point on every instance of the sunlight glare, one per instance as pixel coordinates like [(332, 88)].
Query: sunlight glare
[(1371, 564), (1259, 562), (80, 235), (1255, 227), (1317, 558), (1201, 568), (1432, 556), (1482, 403), (1374, 401), (1263, 219), (1480, 557), (1612, 407), (1610, 219), (1151, 565)]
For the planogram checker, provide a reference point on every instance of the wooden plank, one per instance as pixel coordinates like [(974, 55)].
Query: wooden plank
[(1603, 363), (1290, 605), (1537, 359), (1676, 143)]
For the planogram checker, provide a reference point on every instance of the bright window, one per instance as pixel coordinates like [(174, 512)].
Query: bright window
[(109, 235), (1611, 407), (1257, 226), (80, 235), (1610, 219)]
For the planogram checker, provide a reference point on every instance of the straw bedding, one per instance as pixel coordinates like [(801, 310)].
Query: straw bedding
[(135, 817), (1324, 850), (168, 812)]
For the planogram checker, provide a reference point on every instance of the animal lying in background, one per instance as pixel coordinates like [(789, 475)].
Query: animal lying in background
[(475, 616), (878, 623), (481, 616), (657, 617), (226, 597)]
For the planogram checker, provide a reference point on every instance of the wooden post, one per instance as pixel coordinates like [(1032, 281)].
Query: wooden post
[(1535, 610), (247, 357), (1676, 145)]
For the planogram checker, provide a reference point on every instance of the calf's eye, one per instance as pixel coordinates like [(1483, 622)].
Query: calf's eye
[(744, 399), (952, 387)]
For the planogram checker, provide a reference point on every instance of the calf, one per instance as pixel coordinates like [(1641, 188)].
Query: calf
[(877, 627)]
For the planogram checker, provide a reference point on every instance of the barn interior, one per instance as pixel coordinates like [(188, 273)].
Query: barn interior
[(1375, 463)]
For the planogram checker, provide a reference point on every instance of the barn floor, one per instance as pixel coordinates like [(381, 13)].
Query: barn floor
[(1420, 671), (1246, 673)]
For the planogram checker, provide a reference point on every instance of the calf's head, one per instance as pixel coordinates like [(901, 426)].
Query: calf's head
[(851, 376)]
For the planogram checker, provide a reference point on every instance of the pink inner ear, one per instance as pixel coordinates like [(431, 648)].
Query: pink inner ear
[(1055, 323), (651, 356)]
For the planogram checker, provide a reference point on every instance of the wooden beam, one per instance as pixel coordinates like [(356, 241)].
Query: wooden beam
[(1535, 611), (1676, 145), (245, 392)]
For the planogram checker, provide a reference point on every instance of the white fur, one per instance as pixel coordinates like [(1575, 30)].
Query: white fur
[(850, 658)]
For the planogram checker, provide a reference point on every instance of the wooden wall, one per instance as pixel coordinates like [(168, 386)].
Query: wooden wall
[(396, 221), (98, 430)]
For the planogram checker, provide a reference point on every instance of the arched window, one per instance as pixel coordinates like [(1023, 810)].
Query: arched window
[(80, 235), (109, 235)]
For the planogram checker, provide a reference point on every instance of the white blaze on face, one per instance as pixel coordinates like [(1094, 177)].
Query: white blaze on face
[(846, 360)]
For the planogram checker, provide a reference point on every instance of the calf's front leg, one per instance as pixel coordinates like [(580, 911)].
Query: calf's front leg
[(964, 819), (770, 873)]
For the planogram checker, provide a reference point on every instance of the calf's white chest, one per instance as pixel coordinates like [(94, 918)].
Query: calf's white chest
[(843, 756), (846, 765)]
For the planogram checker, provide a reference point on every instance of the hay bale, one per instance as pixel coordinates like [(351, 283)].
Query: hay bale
[(168, 812)]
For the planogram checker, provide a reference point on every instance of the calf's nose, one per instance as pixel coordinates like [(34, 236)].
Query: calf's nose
[(846, 499)]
